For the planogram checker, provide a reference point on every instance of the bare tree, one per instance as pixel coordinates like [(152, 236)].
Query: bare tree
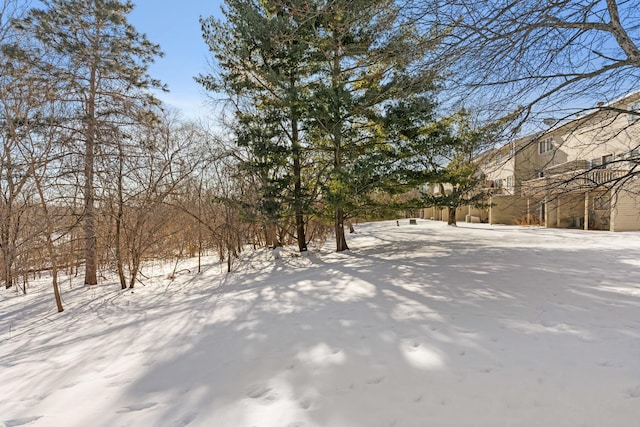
[(543, 56), (18, 110), (41, 154), (561, 69), (100, 62), (159, 159), (28, 138), (225, 210)]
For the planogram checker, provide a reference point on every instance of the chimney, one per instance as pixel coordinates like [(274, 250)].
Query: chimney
[(600, 104)]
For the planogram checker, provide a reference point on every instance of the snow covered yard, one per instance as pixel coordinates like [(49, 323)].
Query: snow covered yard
[(418, 325)]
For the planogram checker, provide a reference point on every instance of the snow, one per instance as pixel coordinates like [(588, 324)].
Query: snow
[(417, 325)]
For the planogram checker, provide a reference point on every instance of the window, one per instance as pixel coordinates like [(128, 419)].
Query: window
[(509, 181), (606, 160), (596, 163), (497, 183), (634, 107), (498, 159), (634, 154), (545, 146)]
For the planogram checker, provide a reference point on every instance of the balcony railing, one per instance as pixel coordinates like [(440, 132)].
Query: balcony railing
[(580, 180), (490, 186)]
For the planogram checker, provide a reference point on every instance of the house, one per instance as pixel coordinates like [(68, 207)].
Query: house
[(503, 171), (590, 165), (434, 212), (582, 173)]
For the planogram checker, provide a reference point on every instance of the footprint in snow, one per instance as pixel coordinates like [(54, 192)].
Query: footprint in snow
[(265, 394), (258, 391), (634, 393), (186, 420), (38, 397), (305, 402), (21, 421), (137, 407), (412, 346), (376, 380), (119, 383)]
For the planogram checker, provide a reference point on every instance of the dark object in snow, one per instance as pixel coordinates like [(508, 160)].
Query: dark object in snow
[(413, 222)]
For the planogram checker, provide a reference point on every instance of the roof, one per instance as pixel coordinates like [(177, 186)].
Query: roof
[(619, 103)]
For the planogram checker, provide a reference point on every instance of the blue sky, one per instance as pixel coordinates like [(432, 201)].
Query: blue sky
[(175, 27)]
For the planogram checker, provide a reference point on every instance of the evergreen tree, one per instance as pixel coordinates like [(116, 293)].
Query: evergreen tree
[(265, 166), (456, 167), (262, 55), (99, 62), (327, 80), (366, 71)]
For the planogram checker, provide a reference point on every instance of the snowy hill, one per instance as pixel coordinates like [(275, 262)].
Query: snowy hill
[(418, 325)]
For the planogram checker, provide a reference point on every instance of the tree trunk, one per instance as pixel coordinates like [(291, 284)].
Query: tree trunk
[(452, 216), (119, 215), (54, 264), (4, 246), (6, 273), (271, 234), (132, 279), (336, 72), (90, 258), (7, 220), (133, 274), (297, 175), (200, 225), (9, 232), (123, 280), (300, 232), (341, 240), (51, 250)]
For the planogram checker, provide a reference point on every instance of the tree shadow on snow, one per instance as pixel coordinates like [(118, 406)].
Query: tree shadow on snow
[(390, 334)]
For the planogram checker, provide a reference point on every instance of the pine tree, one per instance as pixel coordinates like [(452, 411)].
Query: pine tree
[(100, 63), (456, 166), (366, 68), (262, 55), (320, 78)]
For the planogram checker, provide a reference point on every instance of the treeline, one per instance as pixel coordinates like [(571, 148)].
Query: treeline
[(332, 113), (95, 176), (336, 105)]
